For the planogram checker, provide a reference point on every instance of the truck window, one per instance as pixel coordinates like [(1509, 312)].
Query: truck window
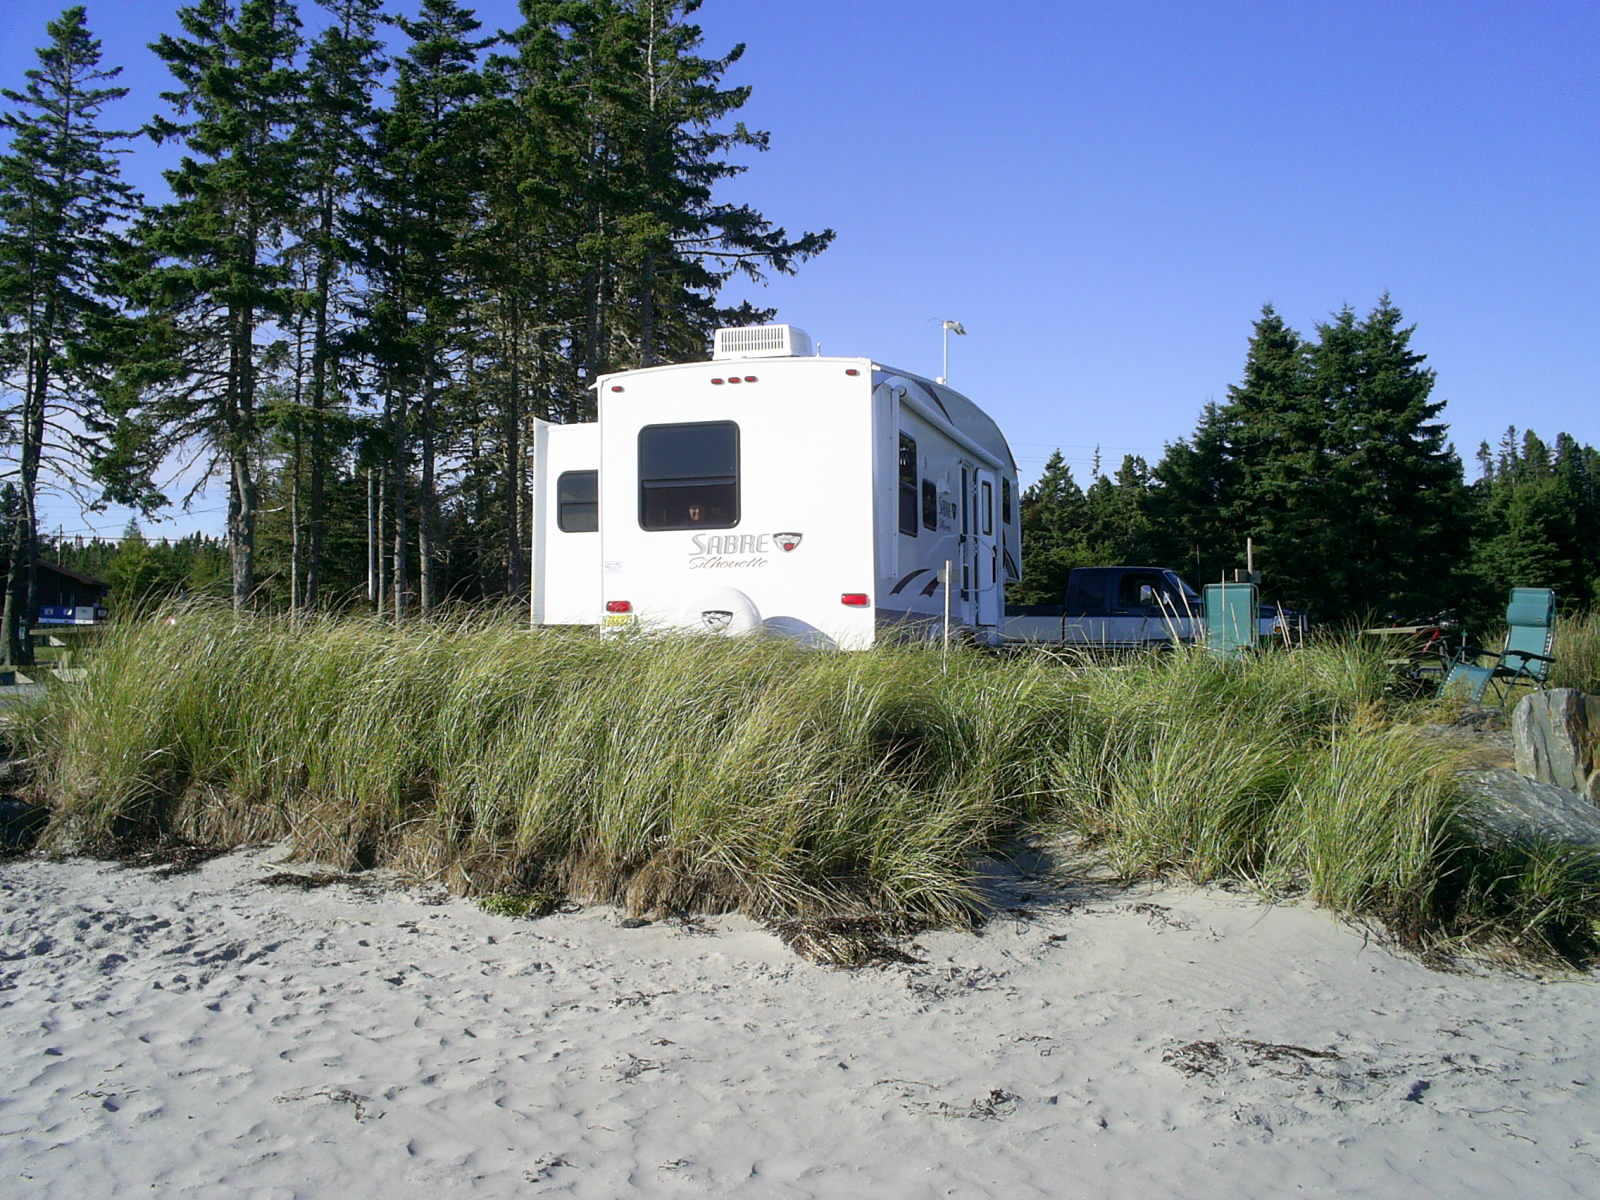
[(1138, 591), (689, 476), (908, 485), (1085, 593), (578, 501)]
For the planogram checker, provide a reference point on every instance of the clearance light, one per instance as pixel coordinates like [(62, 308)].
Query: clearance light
[(616, 387), (749, 378), (619, 606), (734, 379), (854, 600), (851, 371), (717, 381)]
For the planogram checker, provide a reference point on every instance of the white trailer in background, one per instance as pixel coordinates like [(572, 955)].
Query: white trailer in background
[(774, 489)]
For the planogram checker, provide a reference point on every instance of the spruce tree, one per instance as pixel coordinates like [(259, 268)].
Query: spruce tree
[(1396, 500), (218, 287), (1052, 516), (1117, 514), (343, 67), (1332, 458), (1536, 512), (1195, 487), (424, 195), (1279, 428), (638, 128), (62, 201)]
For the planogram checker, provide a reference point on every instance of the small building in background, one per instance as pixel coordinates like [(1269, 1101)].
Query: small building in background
[(64, 597)]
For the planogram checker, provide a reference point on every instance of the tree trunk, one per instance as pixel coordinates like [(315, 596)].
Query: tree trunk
[(428, 506), (21, 581), (513, 472), (399, 581), (316, 517)]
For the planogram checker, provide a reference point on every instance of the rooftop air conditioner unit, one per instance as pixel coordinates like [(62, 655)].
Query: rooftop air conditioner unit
[(762, 341)]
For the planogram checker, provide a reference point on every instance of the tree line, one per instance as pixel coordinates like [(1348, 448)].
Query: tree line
[(1330, 459), (390, 244), (381, 257)]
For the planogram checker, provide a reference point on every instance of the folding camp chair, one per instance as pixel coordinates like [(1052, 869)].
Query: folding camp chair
[(1531, 629), (1232, 619)]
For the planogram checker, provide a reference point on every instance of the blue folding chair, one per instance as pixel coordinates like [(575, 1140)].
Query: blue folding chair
[(1530, 633)]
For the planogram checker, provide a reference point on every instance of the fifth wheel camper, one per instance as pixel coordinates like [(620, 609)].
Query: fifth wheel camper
[(837, 501)]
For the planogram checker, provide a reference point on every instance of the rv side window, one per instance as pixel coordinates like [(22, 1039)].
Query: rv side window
[(1005, 501), (578, 502), (908, 485), (930, 504), (689, 476), (988, 508)]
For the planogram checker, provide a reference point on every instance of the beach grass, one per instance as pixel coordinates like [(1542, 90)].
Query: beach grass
[(1577, 652), (676, 775)]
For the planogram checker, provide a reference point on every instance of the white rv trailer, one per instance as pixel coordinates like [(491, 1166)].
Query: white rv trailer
[(775, 489)]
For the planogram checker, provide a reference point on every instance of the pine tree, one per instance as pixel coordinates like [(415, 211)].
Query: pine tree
[(424, 198), (1052, 513), (1279, 428), (1117, 514), (637, 127), (218, 284), (1196, 485), (1537, 509), (1396, 501), (62, 200), (343, 67), (1332, 458)]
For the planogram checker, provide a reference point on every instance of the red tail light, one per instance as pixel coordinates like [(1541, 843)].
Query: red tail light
[(855, 600), (619, 606)]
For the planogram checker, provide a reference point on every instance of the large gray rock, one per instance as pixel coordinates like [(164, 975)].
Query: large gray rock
[(1556, 736), (1504, 804)]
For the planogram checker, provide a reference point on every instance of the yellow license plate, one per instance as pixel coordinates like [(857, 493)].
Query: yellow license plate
[(618, 619)]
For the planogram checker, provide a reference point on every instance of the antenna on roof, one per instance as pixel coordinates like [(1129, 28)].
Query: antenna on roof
[(949, 327)]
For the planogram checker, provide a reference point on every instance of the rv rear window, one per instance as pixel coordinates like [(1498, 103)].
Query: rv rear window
[(689, 476), (930, 504), (578, 502)]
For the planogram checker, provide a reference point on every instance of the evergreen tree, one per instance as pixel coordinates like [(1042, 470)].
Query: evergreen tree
[(1537, 510), (1117, 515), (1330, 456), (343, 66), (637, 126), (1196, 485), (1052, 517), (218, 285), (1397, 505), (1279, 425), (61, 202), (424, 200)]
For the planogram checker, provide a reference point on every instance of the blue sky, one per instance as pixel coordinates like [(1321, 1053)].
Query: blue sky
[(1106, 194)]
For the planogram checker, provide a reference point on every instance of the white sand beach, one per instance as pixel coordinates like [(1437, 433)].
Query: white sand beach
[(205, 1034)]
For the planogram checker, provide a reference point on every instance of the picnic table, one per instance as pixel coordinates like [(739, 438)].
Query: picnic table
[(1421, 652)]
